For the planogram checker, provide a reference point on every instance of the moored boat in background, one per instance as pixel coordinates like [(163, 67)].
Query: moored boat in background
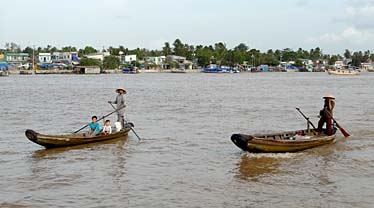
[(4, 73), (343, 72)]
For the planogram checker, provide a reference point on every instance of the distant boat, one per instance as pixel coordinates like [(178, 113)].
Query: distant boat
[(4, 73), (130, 71), (214, 69), (178, 71), (343, 72)]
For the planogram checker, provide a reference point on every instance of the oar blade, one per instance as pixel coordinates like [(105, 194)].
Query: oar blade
[(344, 132)]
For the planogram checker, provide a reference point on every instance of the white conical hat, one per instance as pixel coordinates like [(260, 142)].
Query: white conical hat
[(123, 89), (328, 95)]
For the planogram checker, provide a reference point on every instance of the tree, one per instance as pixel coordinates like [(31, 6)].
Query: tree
[(166, 49), (89, 62), (81, 52), (111, 62), (28, 50), (179, 48), (333, 59), (13, 47), (241, 47), (299, 63), (347, 54), (68, 49)]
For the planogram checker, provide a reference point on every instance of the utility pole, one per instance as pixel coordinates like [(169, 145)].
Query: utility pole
[(33, 57)]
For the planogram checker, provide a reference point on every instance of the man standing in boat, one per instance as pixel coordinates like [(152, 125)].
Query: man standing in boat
[(326, 114), (121, 104)]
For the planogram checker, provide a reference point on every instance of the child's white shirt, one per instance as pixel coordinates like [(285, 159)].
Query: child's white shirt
[(107, 129)]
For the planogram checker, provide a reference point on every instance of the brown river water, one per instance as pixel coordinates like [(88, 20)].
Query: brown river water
[(186, 157)]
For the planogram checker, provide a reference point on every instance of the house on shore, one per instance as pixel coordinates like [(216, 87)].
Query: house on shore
[(182, 62), (367, 66), (16, 60), (45, 58), (126, 59), (97, 56), (67, 58), (87, 69)]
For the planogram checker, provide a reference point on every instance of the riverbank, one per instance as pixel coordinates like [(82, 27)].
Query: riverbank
[(117, 71)]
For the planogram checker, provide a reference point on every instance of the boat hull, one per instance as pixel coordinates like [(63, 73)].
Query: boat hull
[(343, 72), (280, 143), (55, 141)]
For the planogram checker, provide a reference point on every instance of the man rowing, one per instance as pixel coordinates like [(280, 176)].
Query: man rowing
[(121, 104), (326, 114)]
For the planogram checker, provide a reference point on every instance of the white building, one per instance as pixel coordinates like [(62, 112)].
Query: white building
[(339, 64), (97, 56), (157, 60), (45, 58), (129, 58), (66, 57)]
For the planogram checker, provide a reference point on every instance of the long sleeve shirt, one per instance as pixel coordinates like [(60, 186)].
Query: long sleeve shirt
[(121, 102)]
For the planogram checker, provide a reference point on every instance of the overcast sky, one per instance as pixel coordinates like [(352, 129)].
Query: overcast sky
[(263, 24)]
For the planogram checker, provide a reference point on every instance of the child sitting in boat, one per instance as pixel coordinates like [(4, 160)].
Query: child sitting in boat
[(107, 129), (94, 126)]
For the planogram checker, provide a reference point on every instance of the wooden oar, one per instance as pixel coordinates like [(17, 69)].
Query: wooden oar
[(344, 132), (132, 129), (96, 121), (298, 109)]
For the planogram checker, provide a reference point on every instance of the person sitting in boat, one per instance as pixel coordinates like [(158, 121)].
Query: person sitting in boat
[(107, 129), (121, 103), (326, 114), (94, 126)]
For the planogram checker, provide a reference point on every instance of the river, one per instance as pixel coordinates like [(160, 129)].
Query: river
[(185, 157)]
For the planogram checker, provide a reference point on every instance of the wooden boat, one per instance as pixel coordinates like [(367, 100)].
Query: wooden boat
[(54, 141), (292, 141), (178, 71), (4, 73), (343, 72)]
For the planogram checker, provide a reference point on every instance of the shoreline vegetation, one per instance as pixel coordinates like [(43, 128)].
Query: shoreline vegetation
[(184, 58)]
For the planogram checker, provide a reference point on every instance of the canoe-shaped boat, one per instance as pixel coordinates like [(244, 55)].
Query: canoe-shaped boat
[(54, 141), (343, 72), (292, 141)]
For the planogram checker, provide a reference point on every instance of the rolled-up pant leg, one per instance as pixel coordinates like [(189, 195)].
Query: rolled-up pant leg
[(321, 122), (121, 119), (329, 126)]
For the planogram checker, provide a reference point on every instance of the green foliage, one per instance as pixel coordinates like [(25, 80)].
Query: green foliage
[(333, 59), (166, 49), (217, 53), (89, 62), (299, 63), (86, 50), (68, 49), (111, 62)]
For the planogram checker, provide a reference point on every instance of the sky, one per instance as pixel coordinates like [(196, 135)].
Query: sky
[(333, 25)]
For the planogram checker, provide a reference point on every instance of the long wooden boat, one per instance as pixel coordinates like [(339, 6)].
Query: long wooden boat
[(54, 141), (291, 141), (343, 72)]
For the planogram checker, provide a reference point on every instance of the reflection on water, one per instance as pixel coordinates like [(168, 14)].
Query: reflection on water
[(251, 167)]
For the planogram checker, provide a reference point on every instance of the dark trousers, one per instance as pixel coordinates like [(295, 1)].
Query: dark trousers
[(328, 122)]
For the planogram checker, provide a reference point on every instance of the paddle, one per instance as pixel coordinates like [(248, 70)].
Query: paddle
[(298, 109), (132, 129), (96, 121), (345, 133)]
